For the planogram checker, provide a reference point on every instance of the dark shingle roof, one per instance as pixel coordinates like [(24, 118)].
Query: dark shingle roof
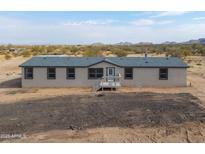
[(65, 61)]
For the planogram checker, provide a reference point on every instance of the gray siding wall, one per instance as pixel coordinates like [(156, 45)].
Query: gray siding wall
[(142, 77)]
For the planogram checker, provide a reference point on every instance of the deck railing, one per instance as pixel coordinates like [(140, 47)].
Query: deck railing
[(108, 82), (115, 78)]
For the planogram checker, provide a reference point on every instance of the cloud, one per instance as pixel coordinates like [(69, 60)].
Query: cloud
[(88, 31), (81, 34), (143, 22), (89, 22), (149, 22), (164, 22), (168, 13), (199, 18)]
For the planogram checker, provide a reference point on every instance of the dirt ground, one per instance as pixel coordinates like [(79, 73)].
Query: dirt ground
[(79, 115)]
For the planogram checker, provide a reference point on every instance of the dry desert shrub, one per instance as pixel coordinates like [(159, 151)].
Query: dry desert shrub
[(26, 53), (7, 56)]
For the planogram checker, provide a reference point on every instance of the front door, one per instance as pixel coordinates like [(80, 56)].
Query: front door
[(110, 73)]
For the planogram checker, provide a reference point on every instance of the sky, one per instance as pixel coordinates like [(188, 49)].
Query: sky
[(105, 27)]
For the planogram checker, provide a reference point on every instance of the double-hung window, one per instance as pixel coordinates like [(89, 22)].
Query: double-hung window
[(128, 73), (70, 73), (28, 73), (163, 74), (51, 73)]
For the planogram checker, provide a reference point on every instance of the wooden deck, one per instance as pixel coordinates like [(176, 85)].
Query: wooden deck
[(108, 82)]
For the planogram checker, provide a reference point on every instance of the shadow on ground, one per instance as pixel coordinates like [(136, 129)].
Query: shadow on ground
[(13, 83), (91, 111)]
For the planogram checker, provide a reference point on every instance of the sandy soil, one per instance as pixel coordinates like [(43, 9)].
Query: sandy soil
[(180, 119), (186, 133), (89, 113)]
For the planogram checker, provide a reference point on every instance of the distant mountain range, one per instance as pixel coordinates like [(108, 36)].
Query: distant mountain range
[(198, 41), (124, 43), (129, 43), (97, 44), (168, 42)]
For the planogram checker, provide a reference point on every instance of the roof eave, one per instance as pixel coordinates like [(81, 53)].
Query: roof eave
[(113, 64)]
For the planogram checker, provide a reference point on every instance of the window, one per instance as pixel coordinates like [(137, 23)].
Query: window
[(70, 73), (95, 73), (163, 74), (28, 73), (51, 73), (128, 73)]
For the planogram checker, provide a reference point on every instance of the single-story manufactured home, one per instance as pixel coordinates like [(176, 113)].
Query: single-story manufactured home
[(99, 72)]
